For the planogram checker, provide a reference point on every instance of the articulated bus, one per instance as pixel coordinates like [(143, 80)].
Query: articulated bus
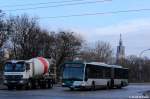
[(93, 75)]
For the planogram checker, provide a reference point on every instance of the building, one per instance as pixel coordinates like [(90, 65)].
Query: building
[(120, 55)]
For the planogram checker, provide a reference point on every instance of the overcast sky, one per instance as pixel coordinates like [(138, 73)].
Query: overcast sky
[(134, 26)]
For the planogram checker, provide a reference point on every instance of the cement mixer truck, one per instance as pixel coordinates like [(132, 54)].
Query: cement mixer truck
[(28, 74)]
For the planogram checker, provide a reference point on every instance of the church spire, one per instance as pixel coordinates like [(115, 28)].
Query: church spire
[(120, 51), (120, 41)]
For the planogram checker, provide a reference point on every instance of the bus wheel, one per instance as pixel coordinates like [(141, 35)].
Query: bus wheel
[(72, 89), (112, 83), (119, 86), (122, 84), (108, 85), (93, 86)]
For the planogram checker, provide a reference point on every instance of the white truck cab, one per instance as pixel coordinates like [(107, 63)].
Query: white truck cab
[(27, 73)]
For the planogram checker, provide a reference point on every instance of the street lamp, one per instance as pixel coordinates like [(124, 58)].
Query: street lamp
[(140, 63)]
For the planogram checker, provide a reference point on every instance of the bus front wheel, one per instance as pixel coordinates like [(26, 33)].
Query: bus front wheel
[(72, 89)]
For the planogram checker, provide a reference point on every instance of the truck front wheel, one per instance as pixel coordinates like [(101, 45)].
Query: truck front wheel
[(19, 87), (10, 87), (28, 86)]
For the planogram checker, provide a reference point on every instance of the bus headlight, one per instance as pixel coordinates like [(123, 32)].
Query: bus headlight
[(79, 83), (83, 84)]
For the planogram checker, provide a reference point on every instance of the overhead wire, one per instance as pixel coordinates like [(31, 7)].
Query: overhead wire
[(98, 13), (59, 5), (78, 3), (41, 3)]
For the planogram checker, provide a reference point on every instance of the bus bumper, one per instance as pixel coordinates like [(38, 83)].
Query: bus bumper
[(78, 87), (73, 86)]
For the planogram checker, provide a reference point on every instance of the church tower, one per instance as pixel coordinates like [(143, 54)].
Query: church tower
[(120, 56)]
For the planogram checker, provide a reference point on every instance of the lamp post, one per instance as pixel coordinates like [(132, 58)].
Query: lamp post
[(140, 63)]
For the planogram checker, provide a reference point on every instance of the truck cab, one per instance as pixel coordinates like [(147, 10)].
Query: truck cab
[(32, 73), (16, 73)]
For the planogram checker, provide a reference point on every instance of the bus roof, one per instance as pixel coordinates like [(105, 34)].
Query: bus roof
[(116, 66), (104, 64), (98, 64), (95, 63), (73, 62)]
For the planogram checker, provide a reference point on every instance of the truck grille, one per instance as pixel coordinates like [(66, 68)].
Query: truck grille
[(13, 77)]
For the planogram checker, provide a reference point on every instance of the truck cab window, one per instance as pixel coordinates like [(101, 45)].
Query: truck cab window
[(27, 66)]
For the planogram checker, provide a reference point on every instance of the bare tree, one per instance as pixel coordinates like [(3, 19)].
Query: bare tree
[(66, 46), (3, 37), (87, 54), (24, 33), (101, 52), (132, 62), (3, 30)]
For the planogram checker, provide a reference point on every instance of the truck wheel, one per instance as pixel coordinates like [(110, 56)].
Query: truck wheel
[(28, 86), (33, 86), (19, 87), (33, 83), (10, 87), (50, 84), (43, 85)]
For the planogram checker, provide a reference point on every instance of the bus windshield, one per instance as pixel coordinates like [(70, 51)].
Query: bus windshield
[(14, 67), (73, 72)]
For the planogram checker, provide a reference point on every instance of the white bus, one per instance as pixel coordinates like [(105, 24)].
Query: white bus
[(93, 75)]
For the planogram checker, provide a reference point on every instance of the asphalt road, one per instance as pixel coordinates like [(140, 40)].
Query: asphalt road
[(65, 93)]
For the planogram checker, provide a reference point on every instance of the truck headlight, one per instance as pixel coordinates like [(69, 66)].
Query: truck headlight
[(63, 83), (5, 81), (21, 81)]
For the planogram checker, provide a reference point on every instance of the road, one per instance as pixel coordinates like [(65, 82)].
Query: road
[(64, 93)]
